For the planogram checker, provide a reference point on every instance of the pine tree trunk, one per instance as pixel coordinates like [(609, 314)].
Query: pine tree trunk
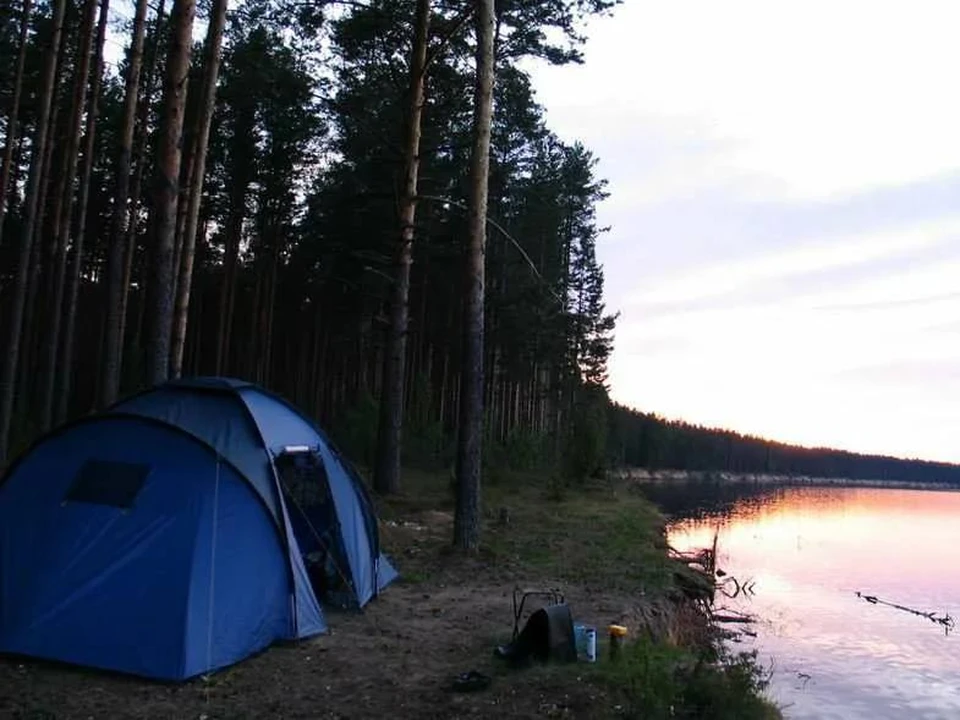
[(320, 365), (13, 119), (188, 143), (25, 381), (386, 477), (197, 325), (15, 325), (113, 301), (311, 360), (466, 531), (65, 372), (228, 289), (255, 339), (207, 104), (133, 211), (167, 180), (270, 311), (48, 361), (30, 340)]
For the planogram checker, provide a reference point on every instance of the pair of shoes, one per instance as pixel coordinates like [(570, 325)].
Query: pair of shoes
[(471, 681)]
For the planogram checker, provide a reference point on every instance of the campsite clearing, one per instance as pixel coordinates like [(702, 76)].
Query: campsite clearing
[(445, 615)]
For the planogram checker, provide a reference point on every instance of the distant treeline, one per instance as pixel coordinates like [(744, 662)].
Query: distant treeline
[(638, 439)]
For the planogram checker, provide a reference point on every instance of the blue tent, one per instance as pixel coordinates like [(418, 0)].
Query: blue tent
[(180, 531)]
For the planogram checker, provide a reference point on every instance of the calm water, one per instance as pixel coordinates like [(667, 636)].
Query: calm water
[(809, 550)]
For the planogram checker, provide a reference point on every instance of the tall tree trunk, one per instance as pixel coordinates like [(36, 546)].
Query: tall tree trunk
[(255, 338), (25, 380), (30, 337), (113, 302), (65, 372), (15, 325), (167, 181), (13, 119), (188, 143), (197, 324), (386, 477), (208, 101), (228, 289), (466, 526), (136, 198), (270, 311), (48, 364)]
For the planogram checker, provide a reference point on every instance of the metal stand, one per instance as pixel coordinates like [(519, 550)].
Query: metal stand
[(553, 594)]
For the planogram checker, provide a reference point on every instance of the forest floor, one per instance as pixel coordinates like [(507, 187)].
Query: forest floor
[(602, 546)]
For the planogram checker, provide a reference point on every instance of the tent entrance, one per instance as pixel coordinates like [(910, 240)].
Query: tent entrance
[(316, 527)]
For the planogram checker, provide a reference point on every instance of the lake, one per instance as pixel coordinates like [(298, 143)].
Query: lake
[(808, 550)]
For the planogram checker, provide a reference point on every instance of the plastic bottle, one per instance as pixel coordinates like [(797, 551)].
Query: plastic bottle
[(617, 634), (586, 640)]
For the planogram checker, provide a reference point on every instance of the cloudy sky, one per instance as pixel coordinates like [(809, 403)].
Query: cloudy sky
[(785, 212)]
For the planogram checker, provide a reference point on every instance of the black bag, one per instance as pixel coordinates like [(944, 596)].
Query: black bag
[(546, 637)]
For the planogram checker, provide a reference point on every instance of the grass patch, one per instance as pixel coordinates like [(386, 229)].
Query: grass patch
[(597, 535), (661, 681)]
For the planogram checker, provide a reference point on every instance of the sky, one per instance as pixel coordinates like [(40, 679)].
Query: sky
[(784, 207)]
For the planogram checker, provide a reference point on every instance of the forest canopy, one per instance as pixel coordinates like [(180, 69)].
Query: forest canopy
[(646, 440), (286, 192)]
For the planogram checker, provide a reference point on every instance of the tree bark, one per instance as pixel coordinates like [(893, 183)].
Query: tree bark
[(13, 119), (386, 478), (166, 185), (113, 301), (15, 324), (26, 382), (270, 311), (466, 531), (65, 371), (48, 361), (228, 289), (188, 143), (207, 104)]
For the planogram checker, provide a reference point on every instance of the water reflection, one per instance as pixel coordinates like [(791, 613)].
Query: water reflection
[(808, 550)]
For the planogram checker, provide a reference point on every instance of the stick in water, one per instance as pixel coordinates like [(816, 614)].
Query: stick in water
[(944, 620)]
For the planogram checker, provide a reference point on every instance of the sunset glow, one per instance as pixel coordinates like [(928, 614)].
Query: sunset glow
[(785, 230)]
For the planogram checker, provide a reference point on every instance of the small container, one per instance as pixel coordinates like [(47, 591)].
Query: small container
[(617, 634), (585, 637)]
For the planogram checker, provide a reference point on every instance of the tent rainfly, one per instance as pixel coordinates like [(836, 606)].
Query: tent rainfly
[(180, 531)]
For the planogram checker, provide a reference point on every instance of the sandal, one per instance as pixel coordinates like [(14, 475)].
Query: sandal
[(471, 681)]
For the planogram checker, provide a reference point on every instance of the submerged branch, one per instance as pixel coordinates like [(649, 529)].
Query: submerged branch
[(945, 620)]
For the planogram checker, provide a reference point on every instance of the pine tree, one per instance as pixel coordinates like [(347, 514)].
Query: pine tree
[(208, 90), (166, 191), (13, 118), (387, 475), (466, 531), (114, 297), (8, 375)]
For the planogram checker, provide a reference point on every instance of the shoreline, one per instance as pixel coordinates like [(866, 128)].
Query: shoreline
[(666, 476)]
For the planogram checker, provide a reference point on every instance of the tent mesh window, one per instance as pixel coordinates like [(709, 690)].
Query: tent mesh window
[(105, 482)]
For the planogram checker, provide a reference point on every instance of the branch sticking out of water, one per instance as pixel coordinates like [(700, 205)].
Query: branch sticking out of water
[(744, 587), (945, 620)]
